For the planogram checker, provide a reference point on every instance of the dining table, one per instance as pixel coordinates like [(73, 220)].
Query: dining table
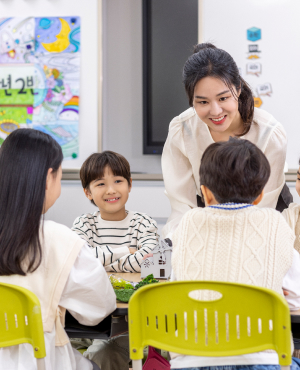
[(115, 324)]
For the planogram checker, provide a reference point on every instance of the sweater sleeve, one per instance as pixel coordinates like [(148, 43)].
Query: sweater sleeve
[(81, 293), (178, 177), (108, 256), (291, 215), (81, 227), (145, 240), (179, 242), (291, 283), (276, 155)]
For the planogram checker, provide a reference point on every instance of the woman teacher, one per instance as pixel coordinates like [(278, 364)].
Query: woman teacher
[(221, 106)]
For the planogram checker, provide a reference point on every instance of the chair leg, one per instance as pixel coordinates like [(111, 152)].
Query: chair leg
[(40, 364), (137, 365)]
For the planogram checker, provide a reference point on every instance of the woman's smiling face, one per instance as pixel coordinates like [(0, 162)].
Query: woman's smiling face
[(215, 104)]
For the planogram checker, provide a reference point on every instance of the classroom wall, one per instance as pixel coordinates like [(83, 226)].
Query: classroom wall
[(122, 116), (122, 84)]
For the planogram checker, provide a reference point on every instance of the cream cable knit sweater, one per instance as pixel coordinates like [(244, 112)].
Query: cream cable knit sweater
[(291, 215), (237, 243)]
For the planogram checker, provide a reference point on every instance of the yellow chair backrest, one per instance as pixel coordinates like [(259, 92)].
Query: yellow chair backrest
[(21, 320), (245, 319)]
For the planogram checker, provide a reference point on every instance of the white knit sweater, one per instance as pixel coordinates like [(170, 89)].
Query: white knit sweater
[(291, 215), (236, 243)]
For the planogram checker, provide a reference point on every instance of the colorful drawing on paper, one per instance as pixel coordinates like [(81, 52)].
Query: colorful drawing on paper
[(40, 78)]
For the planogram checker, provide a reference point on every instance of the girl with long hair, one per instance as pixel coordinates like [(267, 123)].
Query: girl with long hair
[(43, 256)]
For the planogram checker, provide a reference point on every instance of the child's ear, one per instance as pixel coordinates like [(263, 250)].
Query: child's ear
[(130, 186), (88, 193), (208, 196), (259, 198), (48, 178)]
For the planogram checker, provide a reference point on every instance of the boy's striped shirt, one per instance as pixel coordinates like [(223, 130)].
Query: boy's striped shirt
[(110, 240)]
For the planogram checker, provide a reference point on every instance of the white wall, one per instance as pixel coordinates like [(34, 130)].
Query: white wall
[(225, 25), (122, 116), (122, 84)]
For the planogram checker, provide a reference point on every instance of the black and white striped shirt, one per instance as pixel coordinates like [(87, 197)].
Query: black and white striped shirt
[(111, 240)]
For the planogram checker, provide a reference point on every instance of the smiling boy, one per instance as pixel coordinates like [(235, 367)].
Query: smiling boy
[(119, 238)]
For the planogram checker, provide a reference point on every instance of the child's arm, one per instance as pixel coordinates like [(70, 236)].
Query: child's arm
[(143, 241), (107, 255), (83, 227), (81, 293), (291, 283)]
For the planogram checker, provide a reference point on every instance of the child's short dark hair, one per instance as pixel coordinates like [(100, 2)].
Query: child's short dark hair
[(93, 167), (234, 171)]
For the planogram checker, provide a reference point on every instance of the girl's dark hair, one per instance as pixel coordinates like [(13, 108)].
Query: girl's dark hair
[(208, 60), (25, 158), (234, 171), (93, 167)]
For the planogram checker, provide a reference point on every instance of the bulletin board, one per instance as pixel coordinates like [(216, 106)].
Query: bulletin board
[(263, 38), (51, 73)]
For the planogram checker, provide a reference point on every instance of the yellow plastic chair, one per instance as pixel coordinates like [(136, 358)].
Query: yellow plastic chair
[(21, 320), (244, 319)]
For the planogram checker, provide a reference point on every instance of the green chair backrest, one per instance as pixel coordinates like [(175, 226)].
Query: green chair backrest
[(21, 319), (245, 319)]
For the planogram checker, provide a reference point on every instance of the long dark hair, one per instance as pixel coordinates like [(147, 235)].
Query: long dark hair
[(208, 60), (25, 157)]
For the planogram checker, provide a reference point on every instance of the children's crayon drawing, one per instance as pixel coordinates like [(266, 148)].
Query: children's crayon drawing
[(40, 78)]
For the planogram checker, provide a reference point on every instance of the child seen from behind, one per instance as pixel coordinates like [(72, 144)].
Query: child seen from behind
[(45, 257), (233, 240)]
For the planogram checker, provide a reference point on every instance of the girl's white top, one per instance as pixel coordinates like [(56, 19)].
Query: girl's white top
[(187, 140), (89, 297)]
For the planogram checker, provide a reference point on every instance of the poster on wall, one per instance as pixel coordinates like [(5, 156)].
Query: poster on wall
[(40, 78)]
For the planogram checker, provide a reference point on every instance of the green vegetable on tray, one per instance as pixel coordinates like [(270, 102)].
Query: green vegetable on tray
[(148, 280), (123, 295), (119, 283), (124, 289)]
